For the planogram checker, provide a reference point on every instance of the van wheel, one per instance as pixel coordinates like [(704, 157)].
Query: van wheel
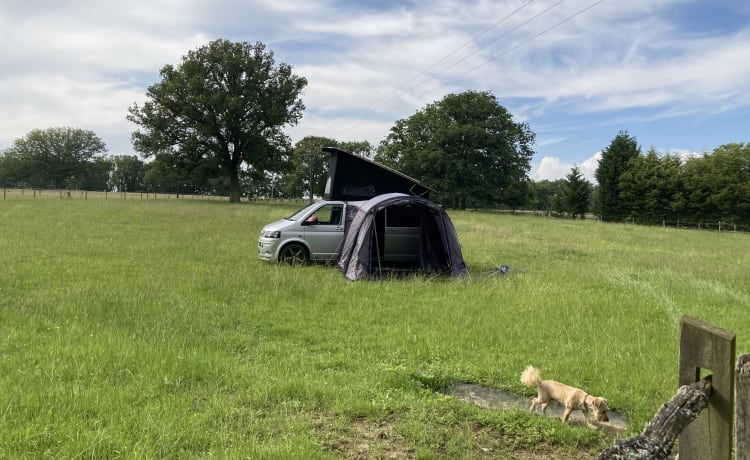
[(293, 254)]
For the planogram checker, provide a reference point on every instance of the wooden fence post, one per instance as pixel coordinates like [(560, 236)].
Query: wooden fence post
[(705, 346), (742, 376)]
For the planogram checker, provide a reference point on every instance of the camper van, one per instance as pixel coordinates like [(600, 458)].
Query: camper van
[(315, 233), (373, 219)]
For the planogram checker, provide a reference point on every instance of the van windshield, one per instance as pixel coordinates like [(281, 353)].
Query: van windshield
[(301, 213)]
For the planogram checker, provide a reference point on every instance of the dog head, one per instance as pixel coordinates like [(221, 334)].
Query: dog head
[(599, 405)]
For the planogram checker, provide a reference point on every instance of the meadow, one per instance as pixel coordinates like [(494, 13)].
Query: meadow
[(149, 329)]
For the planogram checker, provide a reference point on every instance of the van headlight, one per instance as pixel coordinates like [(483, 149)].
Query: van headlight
[(272, 234)]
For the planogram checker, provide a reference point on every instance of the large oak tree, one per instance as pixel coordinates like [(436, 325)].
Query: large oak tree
[(466, 146), (226, 103)]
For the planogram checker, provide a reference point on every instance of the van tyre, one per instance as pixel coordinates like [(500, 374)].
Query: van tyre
[(293, 254)]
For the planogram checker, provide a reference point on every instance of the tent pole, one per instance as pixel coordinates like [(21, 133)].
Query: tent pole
[(377, 249)]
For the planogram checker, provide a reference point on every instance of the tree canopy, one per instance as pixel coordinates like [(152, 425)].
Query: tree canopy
[(308, 170), (717, 185), (650, 186), (226, 103), (60, 158), (128, 173), (467, 147)]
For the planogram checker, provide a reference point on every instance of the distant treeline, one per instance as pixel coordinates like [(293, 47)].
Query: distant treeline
[(711, 190)]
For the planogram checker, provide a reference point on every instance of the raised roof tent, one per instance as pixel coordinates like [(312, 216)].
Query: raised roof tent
[(353, 177)]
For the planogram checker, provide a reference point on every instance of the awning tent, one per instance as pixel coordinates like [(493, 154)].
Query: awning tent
[(439, 251)]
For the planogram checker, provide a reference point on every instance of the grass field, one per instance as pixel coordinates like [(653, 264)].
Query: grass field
[(149, 329)]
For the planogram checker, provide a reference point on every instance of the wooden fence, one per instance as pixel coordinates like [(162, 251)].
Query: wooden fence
[(62, 194), (705, 409), (742, 390)]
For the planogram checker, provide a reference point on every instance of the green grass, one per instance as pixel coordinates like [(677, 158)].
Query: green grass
[(150, 329)]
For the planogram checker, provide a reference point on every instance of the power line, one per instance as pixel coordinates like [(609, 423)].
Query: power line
[(357, 121), (395, 91), (501, 36), (510, 50)]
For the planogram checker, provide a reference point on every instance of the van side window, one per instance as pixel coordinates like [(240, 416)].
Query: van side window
[(402, 216), (329, 214)]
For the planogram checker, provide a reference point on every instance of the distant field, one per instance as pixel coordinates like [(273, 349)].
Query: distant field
[(149, 329), (63, 195)]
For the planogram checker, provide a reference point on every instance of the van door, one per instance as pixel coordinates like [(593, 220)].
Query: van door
[(324, 230), (402, 233)]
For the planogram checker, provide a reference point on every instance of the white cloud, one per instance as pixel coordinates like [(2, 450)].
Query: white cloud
[(550, 168), (85, 62), (589, 166), (553, 168)]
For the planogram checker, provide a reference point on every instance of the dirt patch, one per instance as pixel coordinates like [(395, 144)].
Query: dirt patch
[(362, 439), (493, 398)]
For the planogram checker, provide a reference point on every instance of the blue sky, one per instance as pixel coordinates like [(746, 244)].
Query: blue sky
[(673, 73)]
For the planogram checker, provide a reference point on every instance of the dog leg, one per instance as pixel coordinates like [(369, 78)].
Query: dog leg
[(534, 402), (586, 415), (566, 413), (544, 408)]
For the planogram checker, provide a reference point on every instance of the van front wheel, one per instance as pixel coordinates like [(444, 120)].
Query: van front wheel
[(293, 254)]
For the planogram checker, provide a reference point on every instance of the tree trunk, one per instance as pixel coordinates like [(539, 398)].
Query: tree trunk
[(234, 186), (656, 441)]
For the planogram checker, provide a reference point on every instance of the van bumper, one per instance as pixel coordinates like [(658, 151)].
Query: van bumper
[(267, 250)]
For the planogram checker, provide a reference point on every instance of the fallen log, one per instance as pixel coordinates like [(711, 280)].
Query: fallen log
[(657, 439)]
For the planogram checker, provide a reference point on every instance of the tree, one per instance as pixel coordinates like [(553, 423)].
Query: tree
[(97, 174), (717, 185), (650, 185), (576, 194), (467, 146), (362, 148), (182, 173), (128, 174), (56, 157), (11, 169), (731, 162), (225, 103), (307, 171), (612, 166), (546, 195), (309, 167)]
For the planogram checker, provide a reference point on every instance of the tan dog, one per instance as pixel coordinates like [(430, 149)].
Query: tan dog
[(571, 398)]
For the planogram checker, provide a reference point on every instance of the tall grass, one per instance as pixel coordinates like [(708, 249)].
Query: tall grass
[(151, 329)]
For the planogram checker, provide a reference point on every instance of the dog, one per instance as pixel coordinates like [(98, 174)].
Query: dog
[(570, 397)]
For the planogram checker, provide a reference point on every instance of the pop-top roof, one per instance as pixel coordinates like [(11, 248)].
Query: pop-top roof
[(353, 177)]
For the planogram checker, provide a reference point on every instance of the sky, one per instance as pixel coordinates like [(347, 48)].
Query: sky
[(674, 74)]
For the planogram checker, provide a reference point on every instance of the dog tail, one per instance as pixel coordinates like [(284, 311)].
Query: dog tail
[(531, 377)]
